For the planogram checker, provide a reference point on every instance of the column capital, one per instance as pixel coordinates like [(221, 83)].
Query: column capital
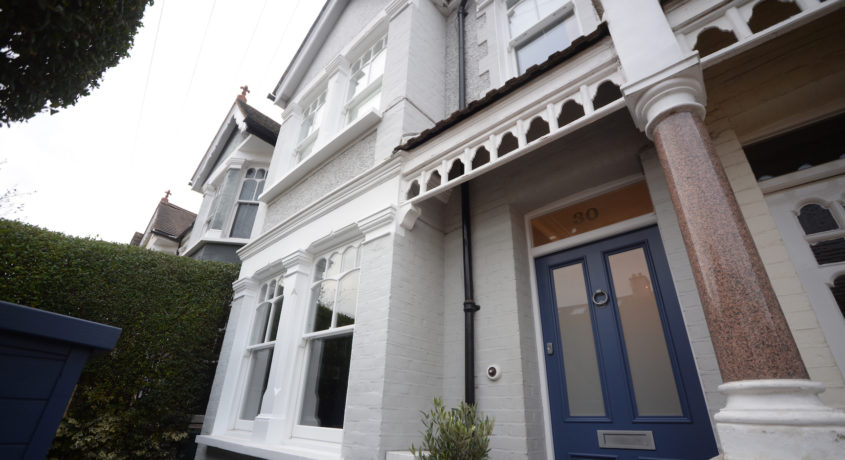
[(244, 286), (676, 88), (378, 224), (296, 261)]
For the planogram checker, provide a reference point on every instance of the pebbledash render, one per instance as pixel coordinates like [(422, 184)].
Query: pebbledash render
[(634, 208)]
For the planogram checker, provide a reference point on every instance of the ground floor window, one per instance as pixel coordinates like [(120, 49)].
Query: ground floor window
[(331, 324), (262, 340)]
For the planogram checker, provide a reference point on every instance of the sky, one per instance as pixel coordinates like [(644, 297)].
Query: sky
[(99, 168)]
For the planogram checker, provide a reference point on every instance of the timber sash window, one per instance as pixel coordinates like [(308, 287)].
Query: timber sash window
[(311, 118), (247, 205), (539, 28), (365, 87), (330, 327), (259, 350)]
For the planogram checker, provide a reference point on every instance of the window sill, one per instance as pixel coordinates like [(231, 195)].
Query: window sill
[(343, 138), (307, 142), (366, 92), (239, 442), (194, 246)]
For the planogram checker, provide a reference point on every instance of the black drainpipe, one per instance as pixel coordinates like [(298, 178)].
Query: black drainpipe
[(470, 306)]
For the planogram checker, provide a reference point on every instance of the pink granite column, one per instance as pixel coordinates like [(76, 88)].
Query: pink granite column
[(748, 329)]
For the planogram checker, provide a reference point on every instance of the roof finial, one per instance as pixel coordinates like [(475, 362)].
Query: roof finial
[(166, 196), (244, 90)]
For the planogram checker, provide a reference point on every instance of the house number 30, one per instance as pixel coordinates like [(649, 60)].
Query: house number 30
[(579, 217)]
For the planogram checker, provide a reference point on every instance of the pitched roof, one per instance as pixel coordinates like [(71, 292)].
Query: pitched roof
[(580, 44), (170, 221), (136, 239), (257, 123)]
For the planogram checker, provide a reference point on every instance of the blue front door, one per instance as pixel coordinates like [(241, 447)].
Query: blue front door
[(622, 382)]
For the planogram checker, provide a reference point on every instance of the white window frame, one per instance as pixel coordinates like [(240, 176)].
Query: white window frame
[(261, 298), (561, 15), (334, 435), (355, 101), (238, 201), (305, 144)]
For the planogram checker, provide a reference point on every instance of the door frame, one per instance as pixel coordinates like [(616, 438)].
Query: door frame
[(571, 242)]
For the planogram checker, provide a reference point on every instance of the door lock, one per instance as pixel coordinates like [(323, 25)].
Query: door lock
[(600, 298), (550, 348)]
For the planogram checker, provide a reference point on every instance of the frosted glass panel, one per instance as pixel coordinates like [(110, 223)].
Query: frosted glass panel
[(583, 386), (651, 370)]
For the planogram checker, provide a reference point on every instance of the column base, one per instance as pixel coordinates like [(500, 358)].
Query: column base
[(779, 419)]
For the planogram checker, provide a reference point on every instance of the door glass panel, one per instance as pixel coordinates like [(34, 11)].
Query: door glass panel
[(581, 370), (648, 358)]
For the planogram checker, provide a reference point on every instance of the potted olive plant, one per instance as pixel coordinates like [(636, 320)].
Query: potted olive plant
[(460, 433)]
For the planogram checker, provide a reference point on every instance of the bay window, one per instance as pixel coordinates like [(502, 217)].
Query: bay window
[(365, 86), (538, 28), (331, 323), (259, 350)]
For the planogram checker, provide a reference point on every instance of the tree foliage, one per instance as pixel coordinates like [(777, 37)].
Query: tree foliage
[(460, 433), (136, 401), (54, 51)]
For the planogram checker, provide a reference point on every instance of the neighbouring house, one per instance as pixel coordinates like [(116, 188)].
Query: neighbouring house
[(230, 177), (167, 228), (617, 226)]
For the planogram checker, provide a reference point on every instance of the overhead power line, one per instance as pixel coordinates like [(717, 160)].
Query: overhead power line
[(149, 71)]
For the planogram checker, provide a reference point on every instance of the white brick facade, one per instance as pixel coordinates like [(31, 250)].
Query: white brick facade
[(408, 341)]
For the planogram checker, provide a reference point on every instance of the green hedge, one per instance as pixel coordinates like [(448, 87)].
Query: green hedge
[(136, 401)]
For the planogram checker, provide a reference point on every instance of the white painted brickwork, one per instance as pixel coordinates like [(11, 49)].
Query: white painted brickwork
[(408, 342), (501, 337), (362, 419)]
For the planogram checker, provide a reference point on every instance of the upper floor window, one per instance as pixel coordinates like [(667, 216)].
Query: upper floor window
[(365, 87), (331, 324), (247, 204), (539, 28), (262, 340), (311, 117)]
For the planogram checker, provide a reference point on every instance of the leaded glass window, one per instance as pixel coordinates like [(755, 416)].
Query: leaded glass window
[(815, 218)]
